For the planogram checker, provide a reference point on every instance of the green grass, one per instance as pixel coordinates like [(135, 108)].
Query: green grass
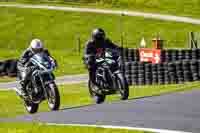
[(177, 7), (59, 30), (78, 95), (42, 128), (7, 79)]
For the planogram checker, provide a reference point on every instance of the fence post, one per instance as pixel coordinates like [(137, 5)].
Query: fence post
[(78, 43), (121, 30), (188, 43), (122, 42), (193, 41)]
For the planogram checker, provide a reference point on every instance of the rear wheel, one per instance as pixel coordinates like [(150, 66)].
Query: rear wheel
[(53, 96), (98, 98), (122, 85), (31, 107)]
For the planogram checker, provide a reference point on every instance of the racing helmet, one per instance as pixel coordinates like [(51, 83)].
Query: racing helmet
[(98, 34), (36, 45)]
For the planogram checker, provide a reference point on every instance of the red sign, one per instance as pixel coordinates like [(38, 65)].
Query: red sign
[(150, 55)]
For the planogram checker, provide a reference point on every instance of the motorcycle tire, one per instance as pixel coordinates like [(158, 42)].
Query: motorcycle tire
[(53, 97), (31, 107), (98, 98), (122, 86)]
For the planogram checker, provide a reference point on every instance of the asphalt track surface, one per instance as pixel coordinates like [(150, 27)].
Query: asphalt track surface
[(179, 111), (104, 11)]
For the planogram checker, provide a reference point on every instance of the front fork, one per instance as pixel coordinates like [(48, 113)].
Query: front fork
[(45, 84), (114, 78), (43, 87)]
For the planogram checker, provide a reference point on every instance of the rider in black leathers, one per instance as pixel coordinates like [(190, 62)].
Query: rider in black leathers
[(24, 70), (94, 48)]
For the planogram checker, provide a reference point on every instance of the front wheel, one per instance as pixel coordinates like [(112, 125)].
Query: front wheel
[(122, 85), (31, 107), (98, 98), (53, 96)]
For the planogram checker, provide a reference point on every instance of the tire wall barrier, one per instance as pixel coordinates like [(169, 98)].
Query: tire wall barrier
[(178, 66), (8, 68), (167, 55)]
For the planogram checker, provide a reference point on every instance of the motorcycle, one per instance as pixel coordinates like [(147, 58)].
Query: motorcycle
[(109, 77), (41, 85)]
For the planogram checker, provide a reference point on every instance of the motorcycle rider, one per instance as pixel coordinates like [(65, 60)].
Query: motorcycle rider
[(25, 71), (94, 48)]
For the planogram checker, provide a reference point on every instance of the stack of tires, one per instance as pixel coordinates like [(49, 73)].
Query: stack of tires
[(188, 54), (130, 55), (198, 54), (134, 71), (148, 73), (179, 72), (198, 62), (131, 72), (136, 55), (172, 72), (8, 68), (181, 55), (126, 69), (167, 55), (163, 56), (166, 73), (194, 54), (194, 70), (186, 71), (178, 66), (141, 73), (161, 74), (127, 55), (174, 55), (2, 69), (154, 73), (138, 73)]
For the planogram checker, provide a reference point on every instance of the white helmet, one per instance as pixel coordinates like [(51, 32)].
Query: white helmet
[(36, 45)]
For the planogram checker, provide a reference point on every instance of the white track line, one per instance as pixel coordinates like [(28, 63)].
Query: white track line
[(118, 127), (118, 12)]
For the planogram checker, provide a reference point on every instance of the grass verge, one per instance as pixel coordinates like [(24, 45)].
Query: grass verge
[(6, 79), (42, 128), (77, 95)]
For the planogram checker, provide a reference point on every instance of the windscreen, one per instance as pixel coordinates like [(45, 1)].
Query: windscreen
[(42, 59)]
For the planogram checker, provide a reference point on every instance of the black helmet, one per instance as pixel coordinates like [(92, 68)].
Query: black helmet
[(98, 34)]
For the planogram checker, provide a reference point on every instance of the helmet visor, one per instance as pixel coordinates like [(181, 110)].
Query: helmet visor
[(37, 50)]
